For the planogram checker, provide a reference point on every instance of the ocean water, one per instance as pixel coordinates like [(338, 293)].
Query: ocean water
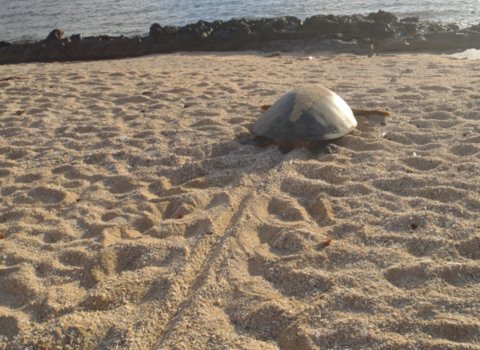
[(34, 19)]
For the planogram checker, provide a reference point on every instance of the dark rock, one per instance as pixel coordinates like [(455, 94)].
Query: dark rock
[(410, 20), (393, 44), (322, 25), (55, 34), (189, 35), (436, 27), (475, 28), (362, 47), (155, 30), (243, 33), (453, 27), (408, 29), (361, 27), (282, 28), (473, 40), (76, 37), (217, 25), (417, 42), (330, 45), (383, 17), (380, 31), (5, 44), (440, 41), (445, 41), (279, 24), (288, 24), (335, 36), (171, 30), (356, 28), (266, 31)]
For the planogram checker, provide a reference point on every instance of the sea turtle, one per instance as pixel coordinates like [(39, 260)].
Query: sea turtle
[(310, 116)]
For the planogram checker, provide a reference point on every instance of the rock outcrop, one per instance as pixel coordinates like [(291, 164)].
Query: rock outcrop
[(378, 32)]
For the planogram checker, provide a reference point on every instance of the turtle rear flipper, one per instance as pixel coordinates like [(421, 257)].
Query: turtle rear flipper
[(259, 141)]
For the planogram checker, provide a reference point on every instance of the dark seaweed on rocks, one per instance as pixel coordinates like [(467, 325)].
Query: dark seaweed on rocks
[(378, 32)]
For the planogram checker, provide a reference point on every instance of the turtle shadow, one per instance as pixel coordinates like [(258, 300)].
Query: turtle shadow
[(317, 147)]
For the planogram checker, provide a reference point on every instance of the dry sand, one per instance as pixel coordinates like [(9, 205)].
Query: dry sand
[(134, 220)]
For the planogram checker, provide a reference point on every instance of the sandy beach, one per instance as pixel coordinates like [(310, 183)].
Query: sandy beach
[(131, 218)]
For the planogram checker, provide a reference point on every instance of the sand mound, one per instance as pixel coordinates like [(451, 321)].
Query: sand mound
[(134, 220)]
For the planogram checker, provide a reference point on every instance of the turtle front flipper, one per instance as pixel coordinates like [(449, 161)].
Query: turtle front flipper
[(358, 112), (259, 141), (323, 147)]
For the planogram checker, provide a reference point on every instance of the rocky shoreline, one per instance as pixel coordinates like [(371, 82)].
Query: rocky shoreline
[(376, 33)]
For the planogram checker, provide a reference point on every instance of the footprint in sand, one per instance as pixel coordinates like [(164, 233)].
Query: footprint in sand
[(29, 178), (47, 195), (407, 277), (436, 88), (16, 155)]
